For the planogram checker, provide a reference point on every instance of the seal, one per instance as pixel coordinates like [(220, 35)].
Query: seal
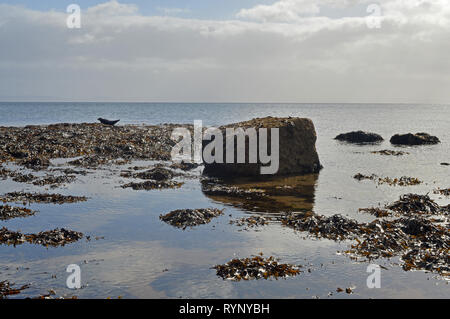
[(108, 122)]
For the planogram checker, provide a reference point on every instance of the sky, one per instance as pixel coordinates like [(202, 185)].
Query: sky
[(293, 51)]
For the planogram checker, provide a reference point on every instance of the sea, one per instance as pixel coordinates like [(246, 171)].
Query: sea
[(133, 254)]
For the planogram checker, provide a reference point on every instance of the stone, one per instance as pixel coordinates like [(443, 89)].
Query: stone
[(359, 137), (414, 139), (297, 149)]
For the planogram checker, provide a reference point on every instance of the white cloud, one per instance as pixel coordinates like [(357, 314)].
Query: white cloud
[(123, 55), (173, 11), (281, 11)]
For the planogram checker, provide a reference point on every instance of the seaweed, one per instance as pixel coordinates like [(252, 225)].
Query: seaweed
[(19, 197), (184, 218), (251, 222), (9, 212), (256, 267), (151, 185), (6, 289), (390, 153), (56, 237), (402, 181)]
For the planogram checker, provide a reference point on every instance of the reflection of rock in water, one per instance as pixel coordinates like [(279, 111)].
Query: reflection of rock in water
[(270, 195)]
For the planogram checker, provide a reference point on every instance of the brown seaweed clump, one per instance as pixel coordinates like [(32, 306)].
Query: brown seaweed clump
[(421, 244), (256, 267), (91, 161), (184, 166), (9, 212), (6, 289), (19, 197), (56, 237), (35, 163), (445, 192), (251, 222), (376, 211), (151, 185), (409, 205), (34, 146), (402, 181), (232, 191), (157, 174), (336, 227), (184, 218), (416, 204), (390, 153), (54, 181)]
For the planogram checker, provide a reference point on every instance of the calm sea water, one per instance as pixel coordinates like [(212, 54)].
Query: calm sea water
[(145, 258)]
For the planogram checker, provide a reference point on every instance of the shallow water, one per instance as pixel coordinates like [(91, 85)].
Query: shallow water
[(142, 257)]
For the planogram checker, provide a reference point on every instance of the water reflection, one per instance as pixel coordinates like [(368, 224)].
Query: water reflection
[(266, 195)]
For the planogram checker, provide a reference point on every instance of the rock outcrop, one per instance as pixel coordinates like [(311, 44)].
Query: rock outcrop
[(359, 137), (297, 150), (414, 139)]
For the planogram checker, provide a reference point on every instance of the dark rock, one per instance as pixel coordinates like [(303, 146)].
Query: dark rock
[(297, 149), (414, 139), (359, 137)]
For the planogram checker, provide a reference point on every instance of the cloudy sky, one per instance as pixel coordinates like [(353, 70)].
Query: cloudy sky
[(227, 51)]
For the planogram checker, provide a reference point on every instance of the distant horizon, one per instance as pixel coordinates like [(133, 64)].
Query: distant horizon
[(229, 102)]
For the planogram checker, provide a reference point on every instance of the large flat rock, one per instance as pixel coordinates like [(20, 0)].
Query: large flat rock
[(297, 149)]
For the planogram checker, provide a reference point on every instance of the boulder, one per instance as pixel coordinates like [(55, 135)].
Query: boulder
[(359, 137), (414, 139), (297, 149)]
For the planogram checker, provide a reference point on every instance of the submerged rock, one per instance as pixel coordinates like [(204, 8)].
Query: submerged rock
[(297, 148), (359, 137), (414, 139), (184, 218)]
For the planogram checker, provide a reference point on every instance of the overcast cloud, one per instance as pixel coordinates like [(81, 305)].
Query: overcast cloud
[(288, 51)]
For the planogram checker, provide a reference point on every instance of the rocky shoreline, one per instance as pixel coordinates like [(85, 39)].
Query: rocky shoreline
[(414, 228)]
